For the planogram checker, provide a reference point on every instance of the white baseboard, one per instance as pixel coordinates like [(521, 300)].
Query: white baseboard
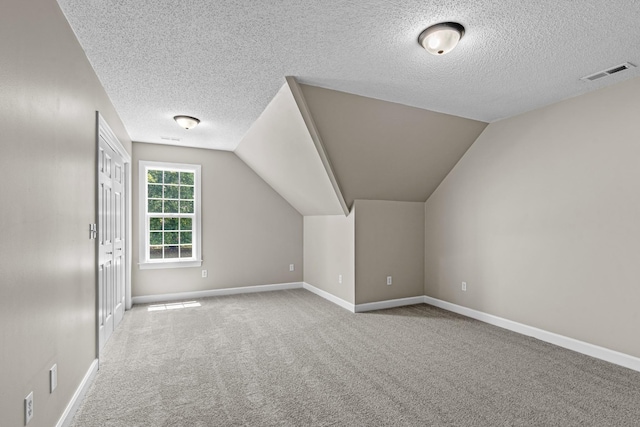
[(78, 396), (592, 350), (381, 305), (149, 299), (598, 352), (330, 297)]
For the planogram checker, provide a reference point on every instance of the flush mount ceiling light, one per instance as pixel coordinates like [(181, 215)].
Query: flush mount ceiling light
[(187, 122), (441, 38)]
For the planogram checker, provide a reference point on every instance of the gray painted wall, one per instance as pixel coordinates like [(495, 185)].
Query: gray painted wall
[(389, 242), (47, 263), (250, 233), (280, 149), (381, 150), (329, 251), (541, 218)]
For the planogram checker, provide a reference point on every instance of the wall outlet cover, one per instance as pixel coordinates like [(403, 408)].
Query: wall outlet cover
[(53, 378), (28, 408)]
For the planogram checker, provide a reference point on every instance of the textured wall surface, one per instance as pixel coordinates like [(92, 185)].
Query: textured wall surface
[(541, 218), (47, 157), (329, 251), (250, 233)]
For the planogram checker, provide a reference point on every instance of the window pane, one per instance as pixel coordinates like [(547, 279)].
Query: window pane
[(185, 223), (186, 192), (186, 178), (170, 211), (170, 238), (155, 223), (171, 206), (155, 238), (186, 207), (155, 191), (154, 176), (171, 191), (171, 252), (155, 252), (155, 205), (171, 223), (170, 177)]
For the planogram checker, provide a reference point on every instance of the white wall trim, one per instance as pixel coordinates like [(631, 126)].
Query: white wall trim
[(149, 299), (329, 297), (104, 130), (381, 305), (592, 350), (78, 396)]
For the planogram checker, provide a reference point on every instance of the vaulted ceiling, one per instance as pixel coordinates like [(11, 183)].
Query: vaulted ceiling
[(284, 148), (381, 150), (224, 61), (321, 149)]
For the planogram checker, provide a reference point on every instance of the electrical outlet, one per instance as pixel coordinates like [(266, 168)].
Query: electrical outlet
[(389, 281), (28, 408), (205, 273), (291, 267), (53, 378), (340, 278), (464, 286), (93, 231)]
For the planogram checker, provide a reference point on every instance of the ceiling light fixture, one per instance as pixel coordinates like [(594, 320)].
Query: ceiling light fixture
[(187, 122), (441, 38)]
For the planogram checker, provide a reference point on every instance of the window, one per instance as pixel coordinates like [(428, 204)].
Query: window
[(170, 233)]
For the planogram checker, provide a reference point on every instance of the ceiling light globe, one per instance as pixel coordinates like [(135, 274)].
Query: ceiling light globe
[(187, 122), (441, 38)]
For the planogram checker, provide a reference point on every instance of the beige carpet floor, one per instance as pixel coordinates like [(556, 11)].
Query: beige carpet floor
[(290, 358)]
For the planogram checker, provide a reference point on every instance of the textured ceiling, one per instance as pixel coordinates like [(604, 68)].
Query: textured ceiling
[(224, 61)]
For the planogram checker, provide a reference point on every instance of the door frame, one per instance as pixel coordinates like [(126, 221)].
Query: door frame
[(104, 130)]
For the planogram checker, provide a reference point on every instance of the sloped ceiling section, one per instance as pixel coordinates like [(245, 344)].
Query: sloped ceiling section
[(381, 150), (280, 148)]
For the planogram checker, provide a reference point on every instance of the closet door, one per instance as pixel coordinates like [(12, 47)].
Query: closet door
[(111, 240)]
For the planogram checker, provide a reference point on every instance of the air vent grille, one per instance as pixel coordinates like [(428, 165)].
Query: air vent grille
[(618, 69), (168, 138), (610, 71), (595, 76)]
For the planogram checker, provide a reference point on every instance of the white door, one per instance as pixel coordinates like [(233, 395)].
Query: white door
[(111, 240), (118, 214)]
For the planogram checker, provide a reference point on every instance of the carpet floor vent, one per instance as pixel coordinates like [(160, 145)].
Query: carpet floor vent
[(610, 71)]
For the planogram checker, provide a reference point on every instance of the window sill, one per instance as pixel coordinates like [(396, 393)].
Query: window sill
[(168, 264)]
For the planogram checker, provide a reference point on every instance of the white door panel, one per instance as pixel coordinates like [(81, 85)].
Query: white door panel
[(111, 240), (118, 212)]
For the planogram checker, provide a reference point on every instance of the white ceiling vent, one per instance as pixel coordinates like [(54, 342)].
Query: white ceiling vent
[(610, 71), (168, 138)]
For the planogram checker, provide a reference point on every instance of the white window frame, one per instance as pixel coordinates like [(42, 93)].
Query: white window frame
[(144, 234)]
